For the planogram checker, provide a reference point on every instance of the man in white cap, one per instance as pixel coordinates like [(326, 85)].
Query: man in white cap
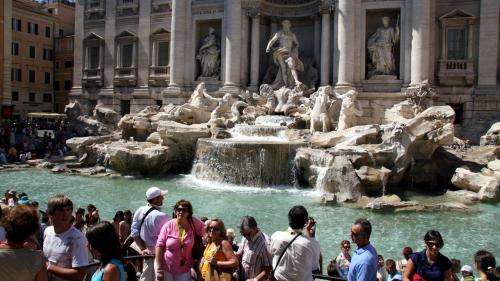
[(146, 227), (467, 273)]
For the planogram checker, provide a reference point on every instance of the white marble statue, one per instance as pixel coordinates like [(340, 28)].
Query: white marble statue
[(284, 47), (209, 55), (349, 110), (320, 114), (201, 99), (381, 48)]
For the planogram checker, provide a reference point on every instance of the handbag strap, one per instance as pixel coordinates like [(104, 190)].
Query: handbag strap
[(286, 248)]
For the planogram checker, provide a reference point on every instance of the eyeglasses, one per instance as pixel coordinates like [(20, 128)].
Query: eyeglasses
[(213, 228)]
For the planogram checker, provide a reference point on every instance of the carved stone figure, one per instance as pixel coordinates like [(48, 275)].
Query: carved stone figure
[(284, 47), (200, 99), (349, 110), (209, 55), (381, 48), (320, 114)]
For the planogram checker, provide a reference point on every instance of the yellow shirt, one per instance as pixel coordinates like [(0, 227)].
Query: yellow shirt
[(210, 251)]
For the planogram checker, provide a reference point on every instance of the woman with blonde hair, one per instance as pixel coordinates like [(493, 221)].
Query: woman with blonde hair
[(219, 260)]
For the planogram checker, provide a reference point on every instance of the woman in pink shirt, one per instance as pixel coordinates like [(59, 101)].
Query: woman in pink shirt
[(173, 258)]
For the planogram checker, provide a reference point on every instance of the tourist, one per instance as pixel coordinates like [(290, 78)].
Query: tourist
[(11, 198), (467, 273), (455, 269), (295, 252), (17, 262), (64, 264), (343, 260), (485, 265), (401, 265), (429, 264), (92, 216), (332, 269), (253, 253), (219, 261), (79, 222), (392, 273), (381, 271), (3, 234), (119, 217), (174, 247), (230, 237), (124, 227), (104, 244), (146, 225), (364, 262)]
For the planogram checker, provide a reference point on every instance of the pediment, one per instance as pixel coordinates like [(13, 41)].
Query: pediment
[(93, 36), (126, 33), (160, 30), (457, 14)]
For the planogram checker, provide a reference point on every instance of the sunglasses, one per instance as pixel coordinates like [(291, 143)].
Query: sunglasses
[(181, 210), (213, 228), (431, 244)]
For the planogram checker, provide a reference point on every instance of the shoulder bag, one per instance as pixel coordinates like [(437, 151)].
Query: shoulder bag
[(282, 254)]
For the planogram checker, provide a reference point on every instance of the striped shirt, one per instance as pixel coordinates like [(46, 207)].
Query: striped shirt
[(255, 256)]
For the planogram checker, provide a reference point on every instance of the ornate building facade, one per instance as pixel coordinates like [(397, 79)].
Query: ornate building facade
[(131, 53)]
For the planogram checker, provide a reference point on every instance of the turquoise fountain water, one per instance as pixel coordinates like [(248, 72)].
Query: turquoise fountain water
[(463, 233)]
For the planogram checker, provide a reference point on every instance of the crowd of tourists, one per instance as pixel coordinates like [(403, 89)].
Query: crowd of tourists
[(63, 244), (19, 141)]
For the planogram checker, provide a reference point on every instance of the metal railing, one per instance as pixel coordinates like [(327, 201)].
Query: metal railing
[(324, 277)]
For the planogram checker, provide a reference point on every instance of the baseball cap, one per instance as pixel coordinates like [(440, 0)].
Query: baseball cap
[(154, 192), (466, 268)]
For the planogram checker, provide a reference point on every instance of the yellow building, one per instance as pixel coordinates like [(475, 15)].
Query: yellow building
[(29, 51)]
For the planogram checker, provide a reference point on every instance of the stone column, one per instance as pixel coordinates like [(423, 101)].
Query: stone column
[(488, 43), (245, 41), (110, 48), (420, 53), (78, 50), (255, 53), (232, 20), (317, 41), (325, 48), (143, 43), (346, 42), (177, 45)]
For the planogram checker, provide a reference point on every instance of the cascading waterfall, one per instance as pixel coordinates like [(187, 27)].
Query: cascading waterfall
[(257, 155)]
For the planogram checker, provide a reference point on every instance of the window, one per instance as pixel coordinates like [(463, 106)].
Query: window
[(15, 96), (94, 3), (16, 74), (67, 85), (61, 33), (47, 97), (47, 54), (94, 57), (71, 44), (47, 32), (15, 49), (163, 53), (125, 107), (57, 86), (36, 28), (47, 77), (457, 43), (33, 28), (126, 55), (32, 97), (56, 65), (68, 64), (32, 76), (16, 24), (32, 52)]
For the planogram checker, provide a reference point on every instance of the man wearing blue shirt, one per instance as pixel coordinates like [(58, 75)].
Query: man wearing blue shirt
[(363, 265)]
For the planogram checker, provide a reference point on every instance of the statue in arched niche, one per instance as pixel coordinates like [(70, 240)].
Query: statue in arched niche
[(209, 55)]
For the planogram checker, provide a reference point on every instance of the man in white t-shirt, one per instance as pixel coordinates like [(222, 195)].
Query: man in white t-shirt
[(64, 246), (302, 257)]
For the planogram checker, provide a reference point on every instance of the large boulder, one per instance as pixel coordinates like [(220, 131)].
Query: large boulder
[(81, 145), (73, 110), (492, 137), (144, 158), (182, 141), (106, 115), (486, 185), (135, 127), (352, 136)]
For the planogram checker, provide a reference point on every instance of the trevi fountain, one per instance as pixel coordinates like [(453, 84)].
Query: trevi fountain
[(258, 152)]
